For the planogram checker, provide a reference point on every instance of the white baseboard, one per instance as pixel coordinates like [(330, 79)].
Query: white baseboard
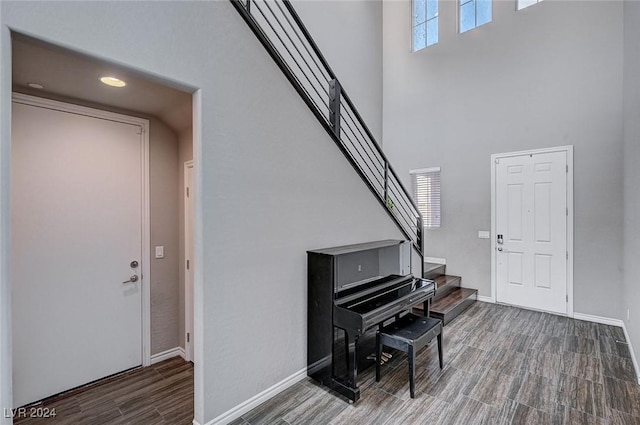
[(613, 322), (485, 299), (598, 319), (174, 352), (633, 355), (244, 407)]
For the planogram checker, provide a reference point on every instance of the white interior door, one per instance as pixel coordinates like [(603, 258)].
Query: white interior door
[(531, 230), (76, 228), (188, 256)]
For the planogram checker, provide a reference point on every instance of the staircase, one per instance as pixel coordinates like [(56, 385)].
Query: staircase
[(451, 299), (278, 27)]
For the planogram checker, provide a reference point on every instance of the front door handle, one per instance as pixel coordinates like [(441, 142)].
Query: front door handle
[(133, 278)]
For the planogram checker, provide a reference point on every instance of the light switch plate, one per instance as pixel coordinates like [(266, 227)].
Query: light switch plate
[(484, 234), (160, 252)]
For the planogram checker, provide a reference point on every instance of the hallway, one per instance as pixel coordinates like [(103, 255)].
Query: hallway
[(161, 394)]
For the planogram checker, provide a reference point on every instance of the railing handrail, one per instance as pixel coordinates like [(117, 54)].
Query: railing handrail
[(330, 126)]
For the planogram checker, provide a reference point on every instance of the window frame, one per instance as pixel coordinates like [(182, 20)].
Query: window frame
[(425, 23), (432, 219), (475, 15), (530, 3)]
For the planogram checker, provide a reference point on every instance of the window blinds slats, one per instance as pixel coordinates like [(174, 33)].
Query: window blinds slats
[(426, 193)]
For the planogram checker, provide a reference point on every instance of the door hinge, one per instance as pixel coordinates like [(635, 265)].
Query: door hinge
[(567, 209), (567, 168), (187, 264), (187, 191), (567, 297), (188, 337), (567, 255)]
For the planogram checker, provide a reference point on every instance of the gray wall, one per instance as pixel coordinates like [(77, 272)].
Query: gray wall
[(164, 195), (549, 75), (631, 170), (271, 183), (349, 34)]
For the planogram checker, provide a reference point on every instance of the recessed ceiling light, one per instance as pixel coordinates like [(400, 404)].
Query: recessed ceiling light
[(35, 85), (113, 81)]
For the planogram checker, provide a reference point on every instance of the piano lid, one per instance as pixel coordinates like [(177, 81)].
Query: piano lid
[(361, 310), (387, 290), (370, 287), (348, 249)]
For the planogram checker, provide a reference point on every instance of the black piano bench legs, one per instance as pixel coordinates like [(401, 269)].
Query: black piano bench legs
[(409, 334)]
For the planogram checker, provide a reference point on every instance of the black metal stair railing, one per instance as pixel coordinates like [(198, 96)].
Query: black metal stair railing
[(285, 37)]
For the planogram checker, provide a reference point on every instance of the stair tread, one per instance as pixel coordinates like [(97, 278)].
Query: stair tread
[(446, 279), (456, 297)]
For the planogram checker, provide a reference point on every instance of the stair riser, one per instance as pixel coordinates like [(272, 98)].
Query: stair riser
[(455, 312), (445, 290), (432, 273)]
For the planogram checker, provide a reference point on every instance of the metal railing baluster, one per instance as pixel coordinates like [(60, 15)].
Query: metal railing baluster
[(334, 106)]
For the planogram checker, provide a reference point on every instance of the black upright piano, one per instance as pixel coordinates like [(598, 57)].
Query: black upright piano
[(351, 291)]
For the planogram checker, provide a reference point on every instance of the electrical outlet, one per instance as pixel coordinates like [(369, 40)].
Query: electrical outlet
[(359, 267)]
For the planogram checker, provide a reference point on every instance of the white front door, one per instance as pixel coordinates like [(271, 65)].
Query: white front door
[(531, 230), (76, 229)]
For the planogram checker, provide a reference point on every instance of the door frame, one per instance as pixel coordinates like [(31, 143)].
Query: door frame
[(569, 152), (145, 217), (188, 283)]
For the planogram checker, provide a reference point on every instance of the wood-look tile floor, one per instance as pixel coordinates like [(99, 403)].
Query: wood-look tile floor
[(503, 365), (161, 394)]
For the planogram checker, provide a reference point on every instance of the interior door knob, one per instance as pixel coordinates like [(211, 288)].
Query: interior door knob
[(133, 278), (500, 248)]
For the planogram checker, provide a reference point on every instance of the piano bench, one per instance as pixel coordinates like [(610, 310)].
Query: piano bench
[(409, 334)]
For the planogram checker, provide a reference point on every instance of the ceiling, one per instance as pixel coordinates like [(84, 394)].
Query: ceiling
[(68, 74)]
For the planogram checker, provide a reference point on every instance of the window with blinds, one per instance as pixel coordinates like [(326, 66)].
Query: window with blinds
[(426, 193)]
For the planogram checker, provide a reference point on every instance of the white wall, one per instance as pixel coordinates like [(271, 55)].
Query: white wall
[(631, 171), (549, 75), (349, 34), (273, 184)]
